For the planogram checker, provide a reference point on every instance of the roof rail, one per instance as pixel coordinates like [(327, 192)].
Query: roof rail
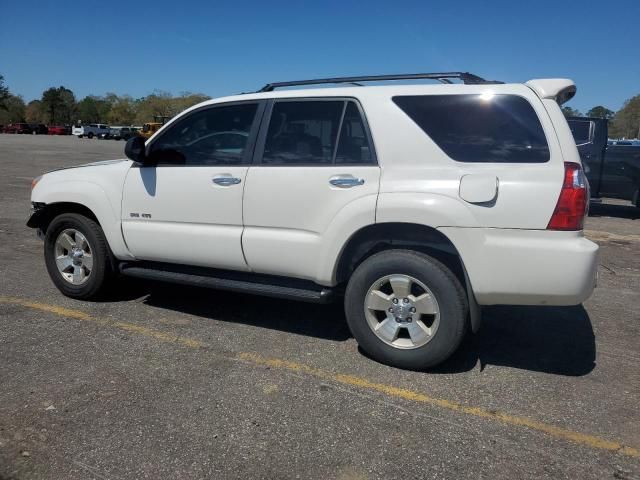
[(445, 77)]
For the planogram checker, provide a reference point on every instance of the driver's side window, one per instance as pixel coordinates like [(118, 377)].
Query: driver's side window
[(213, 136)]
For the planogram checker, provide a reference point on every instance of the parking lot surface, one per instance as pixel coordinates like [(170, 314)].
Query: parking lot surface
[(164, 381)]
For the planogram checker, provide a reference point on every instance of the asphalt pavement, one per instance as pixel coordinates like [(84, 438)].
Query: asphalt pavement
[(165, 381)]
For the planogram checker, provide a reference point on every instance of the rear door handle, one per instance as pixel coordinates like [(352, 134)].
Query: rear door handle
[(226, 181), (346, 182)]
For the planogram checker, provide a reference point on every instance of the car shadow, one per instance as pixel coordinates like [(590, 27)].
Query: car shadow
[(313, 320), (610, 210), (556, 340)]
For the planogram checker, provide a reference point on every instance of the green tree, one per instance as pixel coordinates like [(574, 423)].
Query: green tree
[(164, 104), (601, 112), (570, 112), (93, 109), (33, 112), (123, 110), (4, 93), (59, 104), (626, 122), (13, 110)]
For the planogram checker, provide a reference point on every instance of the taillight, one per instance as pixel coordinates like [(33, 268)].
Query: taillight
[(573, 201)]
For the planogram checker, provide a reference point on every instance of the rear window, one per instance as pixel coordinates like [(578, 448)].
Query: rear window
[(480, 128)]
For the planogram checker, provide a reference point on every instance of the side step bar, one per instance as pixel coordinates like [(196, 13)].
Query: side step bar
[(319, 295)]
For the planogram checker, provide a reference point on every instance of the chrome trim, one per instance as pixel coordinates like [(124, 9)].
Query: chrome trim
[(342, 182)]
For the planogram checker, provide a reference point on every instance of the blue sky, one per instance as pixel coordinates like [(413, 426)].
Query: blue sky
[(222, 48)]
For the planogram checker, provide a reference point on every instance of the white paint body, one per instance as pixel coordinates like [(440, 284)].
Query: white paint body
[(288, 220)]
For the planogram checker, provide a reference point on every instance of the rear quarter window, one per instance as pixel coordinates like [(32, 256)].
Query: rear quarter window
[(479, 128)]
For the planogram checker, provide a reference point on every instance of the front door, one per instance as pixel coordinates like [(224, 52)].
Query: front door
[(314, 169), (186, 207)]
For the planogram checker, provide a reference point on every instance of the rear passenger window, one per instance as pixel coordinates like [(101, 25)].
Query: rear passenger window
[(302, 132), (353, 145), (480, 128), (306, 133)]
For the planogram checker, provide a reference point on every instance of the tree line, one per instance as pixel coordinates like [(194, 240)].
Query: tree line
[(58, 106), (625, 123)]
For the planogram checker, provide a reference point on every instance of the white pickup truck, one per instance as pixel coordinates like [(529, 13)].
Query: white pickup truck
[(416, 204), (91, 130)]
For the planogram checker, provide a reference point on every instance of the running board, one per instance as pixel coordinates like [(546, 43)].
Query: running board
[(306, 294)]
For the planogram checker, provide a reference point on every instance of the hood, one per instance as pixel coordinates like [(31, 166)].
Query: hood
[(92, 164)]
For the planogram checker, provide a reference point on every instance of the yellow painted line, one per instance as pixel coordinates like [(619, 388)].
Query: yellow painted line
[(587, 440), (129, 327), (405, 394)]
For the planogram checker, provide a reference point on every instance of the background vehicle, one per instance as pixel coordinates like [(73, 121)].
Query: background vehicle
[(112, 132), (612, 170), (148, 129), (38, 128), (120, 133), (59, 130), (471, 194), (23, 128), (624, 142), (91, 130)]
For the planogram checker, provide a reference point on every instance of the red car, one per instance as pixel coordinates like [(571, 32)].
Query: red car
[(59, 130), (18, 128)]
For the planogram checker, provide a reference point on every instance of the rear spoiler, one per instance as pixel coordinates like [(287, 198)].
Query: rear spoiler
[(559, 89)]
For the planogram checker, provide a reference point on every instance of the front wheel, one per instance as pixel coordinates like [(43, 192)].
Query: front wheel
[(406, 309), (77, 256)]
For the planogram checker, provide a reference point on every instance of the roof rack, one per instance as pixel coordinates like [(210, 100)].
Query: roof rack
[(445, 77)]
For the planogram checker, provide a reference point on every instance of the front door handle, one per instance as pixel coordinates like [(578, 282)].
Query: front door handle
[(226, 181), (346, 182)]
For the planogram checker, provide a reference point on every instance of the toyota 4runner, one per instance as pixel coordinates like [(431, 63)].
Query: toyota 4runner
[(416, 203)]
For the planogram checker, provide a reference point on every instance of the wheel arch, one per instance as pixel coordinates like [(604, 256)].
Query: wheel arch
[(45, 213), (378, 237)]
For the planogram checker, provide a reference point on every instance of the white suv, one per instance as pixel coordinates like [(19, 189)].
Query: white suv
[(417, 203)]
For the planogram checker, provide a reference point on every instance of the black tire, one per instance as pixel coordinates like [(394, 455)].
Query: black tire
[(101, 271), (80, 136), (444, 285), (90, 135)]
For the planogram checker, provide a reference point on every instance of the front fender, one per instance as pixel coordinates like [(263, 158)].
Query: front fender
[(92, 196)]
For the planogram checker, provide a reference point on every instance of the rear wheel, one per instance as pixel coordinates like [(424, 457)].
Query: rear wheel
[(90, 136), (77, 256), (406, 309)]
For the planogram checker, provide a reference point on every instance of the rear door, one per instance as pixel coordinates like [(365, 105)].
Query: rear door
[(621, 171), (314, 158)]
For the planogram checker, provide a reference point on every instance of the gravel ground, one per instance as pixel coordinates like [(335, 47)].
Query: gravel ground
[(164, 381)]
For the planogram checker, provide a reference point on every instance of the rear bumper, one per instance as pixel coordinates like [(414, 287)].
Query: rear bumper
[(527, 267)]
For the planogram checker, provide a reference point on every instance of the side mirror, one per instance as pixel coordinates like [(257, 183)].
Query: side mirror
[(134, 149)]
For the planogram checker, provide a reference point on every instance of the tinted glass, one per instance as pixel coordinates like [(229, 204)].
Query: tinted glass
[(214, 136), (581, 131), (480, 128), (353, 145), (302, 133)]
